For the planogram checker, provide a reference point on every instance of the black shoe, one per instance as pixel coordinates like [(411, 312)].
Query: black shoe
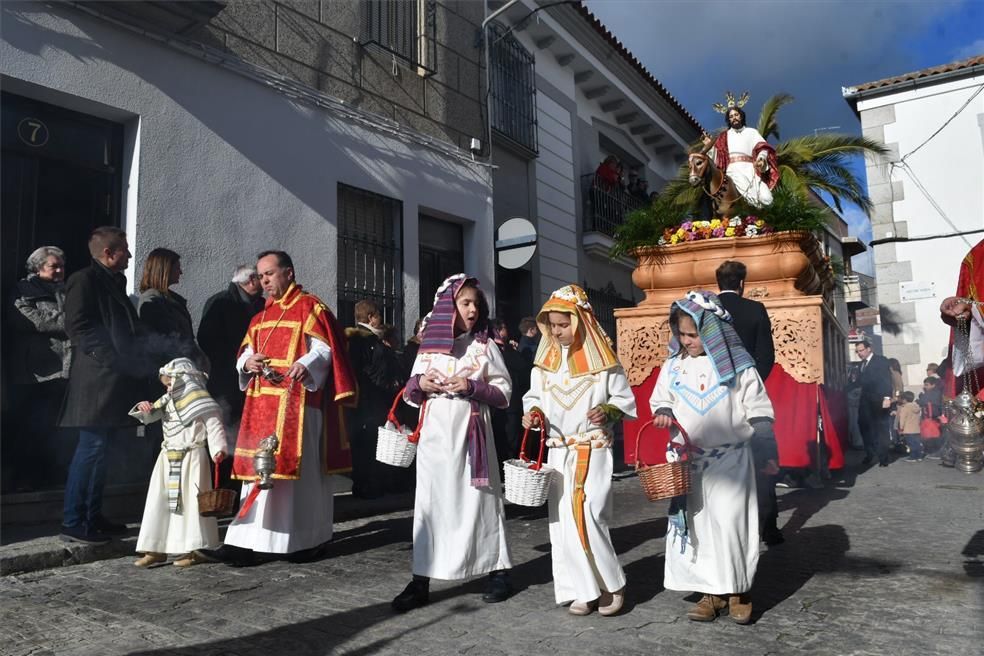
[(103, 525), (773, 537), (228, 554), (415, 595), (82, 535), (498, 588), (866, 460), (883, 462), (308, 555)]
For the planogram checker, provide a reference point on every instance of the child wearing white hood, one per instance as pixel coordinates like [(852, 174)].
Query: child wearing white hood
[(191, 418)]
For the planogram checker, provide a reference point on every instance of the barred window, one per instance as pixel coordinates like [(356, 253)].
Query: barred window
[(604, 302), (512, 88), (405, 29), (370, 256)]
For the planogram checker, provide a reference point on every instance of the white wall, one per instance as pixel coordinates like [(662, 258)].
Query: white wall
[(556, 194), (950, 168), (228, 166)]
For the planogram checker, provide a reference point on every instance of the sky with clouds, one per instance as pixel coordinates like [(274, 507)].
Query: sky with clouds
[(808, 48)]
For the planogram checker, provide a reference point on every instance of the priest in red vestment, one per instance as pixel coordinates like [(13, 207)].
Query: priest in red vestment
[(293, 366), (966, 306)]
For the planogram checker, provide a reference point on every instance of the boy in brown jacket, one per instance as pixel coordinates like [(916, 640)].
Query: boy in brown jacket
[(907, 417)]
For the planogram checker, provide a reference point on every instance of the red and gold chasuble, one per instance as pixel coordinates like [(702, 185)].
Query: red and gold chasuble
[(970, 285), (280, 332)]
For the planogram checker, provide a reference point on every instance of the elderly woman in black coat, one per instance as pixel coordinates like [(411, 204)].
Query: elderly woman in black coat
[(39, 360)]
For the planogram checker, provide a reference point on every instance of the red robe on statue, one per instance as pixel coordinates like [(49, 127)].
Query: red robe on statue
[(722, 157), (281, 331)]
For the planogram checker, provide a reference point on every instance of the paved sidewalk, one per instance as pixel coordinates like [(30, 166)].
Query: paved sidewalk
[(34, 547), (889, 562)]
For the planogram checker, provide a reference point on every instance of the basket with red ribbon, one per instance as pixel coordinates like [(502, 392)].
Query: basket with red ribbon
[(396, 444), (528, 481)]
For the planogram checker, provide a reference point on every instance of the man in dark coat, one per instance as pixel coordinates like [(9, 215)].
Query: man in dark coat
[(220, 334), (750, 318), (107, 377), (378, 372), (224, 323), (875, 381), (507, 423), (751, 322)]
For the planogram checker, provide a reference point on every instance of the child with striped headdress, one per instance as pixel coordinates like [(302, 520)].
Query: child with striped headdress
[(709, 385), (579, 387), (191, 420), (459, 528)]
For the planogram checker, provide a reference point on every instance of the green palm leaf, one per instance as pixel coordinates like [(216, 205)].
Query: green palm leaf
[(768, 126)]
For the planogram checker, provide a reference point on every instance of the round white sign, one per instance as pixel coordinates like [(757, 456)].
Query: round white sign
[(515, 243)]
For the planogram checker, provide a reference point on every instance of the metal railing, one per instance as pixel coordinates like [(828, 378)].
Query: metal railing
[(512, 88), (405, 29), (605, 205)]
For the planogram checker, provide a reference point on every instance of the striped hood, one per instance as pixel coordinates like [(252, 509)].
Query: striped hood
[(721, 343), (187, 391)]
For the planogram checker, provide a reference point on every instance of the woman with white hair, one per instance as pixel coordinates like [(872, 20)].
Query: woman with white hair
[(39, 360)]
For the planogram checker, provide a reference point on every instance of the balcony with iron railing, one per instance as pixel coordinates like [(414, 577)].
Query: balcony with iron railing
[(604, 210), (606, 205)]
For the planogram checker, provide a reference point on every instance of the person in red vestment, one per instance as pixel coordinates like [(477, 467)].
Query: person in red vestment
[(966, 306), (293, 365)]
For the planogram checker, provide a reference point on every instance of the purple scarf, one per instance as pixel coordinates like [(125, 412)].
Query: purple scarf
[(437, 336)]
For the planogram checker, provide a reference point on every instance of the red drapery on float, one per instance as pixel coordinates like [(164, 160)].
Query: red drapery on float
[(796, 406)]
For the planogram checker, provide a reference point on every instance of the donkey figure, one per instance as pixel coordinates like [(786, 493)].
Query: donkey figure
[(715, 183)]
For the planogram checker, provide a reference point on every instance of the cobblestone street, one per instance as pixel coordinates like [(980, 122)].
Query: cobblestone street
[(889, 562)]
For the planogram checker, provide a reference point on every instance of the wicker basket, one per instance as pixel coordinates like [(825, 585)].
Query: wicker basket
[(528, 482), (668, 479), (217, 502), (395, 445)]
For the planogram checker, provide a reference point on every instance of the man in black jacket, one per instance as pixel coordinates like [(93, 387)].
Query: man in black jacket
[(224, 323), (750, 318), (107, 377), (751, 322), (377, 371), (220, 334), (875, 381)]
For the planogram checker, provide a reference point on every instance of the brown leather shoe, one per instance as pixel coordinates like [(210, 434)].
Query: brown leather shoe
[(740, 608), (150, 558), (707, 608)]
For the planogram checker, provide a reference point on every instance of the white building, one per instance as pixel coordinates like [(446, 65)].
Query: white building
[(584, 97), (926, 192)]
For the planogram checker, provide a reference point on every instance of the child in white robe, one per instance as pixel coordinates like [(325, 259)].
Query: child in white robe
[(581, 390), (709, 385), (459, 526), (191, 419)]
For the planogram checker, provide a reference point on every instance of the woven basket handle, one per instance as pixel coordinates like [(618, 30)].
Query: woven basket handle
[(391, 417), (216, 476), (649, 424), (414, 437), (543, 440)]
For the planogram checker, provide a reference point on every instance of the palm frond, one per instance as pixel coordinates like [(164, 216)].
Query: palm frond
[(768, 125)]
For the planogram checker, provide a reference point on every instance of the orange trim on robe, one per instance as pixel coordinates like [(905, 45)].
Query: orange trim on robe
[(280, 331)]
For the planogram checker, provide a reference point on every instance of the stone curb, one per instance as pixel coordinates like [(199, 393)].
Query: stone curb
[(50, 551)]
